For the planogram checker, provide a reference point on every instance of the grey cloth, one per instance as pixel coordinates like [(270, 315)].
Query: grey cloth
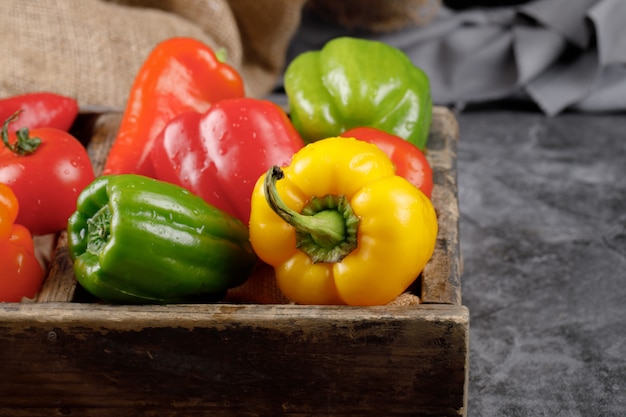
[(561, 54)]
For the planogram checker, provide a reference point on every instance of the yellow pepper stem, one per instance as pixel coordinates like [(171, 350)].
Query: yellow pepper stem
[(326, 229)]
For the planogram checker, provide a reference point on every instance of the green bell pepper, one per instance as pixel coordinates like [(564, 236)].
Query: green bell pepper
[(137, 240), (355, 82)]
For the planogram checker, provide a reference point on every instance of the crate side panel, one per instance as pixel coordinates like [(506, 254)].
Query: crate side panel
[(441, 278), (233, 360)]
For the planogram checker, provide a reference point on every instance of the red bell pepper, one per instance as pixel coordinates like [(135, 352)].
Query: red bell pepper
[(180, 75), (40, 109), (219, 155), (410, 161)]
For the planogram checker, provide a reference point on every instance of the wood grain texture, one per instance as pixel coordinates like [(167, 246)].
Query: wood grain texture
[(62, 285), (228, 360), (441, 278)]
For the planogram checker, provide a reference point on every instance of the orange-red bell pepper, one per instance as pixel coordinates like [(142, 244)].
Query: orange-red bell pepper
[(180, 75)]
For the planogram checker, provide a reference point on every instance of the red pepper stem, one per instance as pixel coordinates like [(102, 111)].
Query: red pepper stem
[(24, 144), (222, 55), (326, 229)]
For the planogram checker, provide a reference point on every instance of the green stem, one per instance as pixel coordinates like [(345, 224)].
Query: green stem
[(326, 229), (99, 230), (222, 55), (24, 144)]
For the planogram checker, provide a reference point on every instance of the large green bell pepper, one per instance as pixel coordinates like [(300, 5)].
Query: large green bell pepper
[(355, 82), (134, 239)]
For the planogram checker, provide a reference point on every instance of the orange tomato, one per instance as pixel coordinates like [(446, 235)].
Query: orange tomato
[(21, 275)]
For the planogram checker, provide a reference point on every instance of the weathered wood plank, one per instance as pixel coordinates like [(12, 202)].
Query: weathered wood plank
[(62, 286), (441, 278), (187, 360)]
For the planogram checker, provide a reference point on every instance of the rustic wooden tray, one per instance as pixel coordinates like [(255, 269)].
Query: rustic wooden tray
[(64, 354)]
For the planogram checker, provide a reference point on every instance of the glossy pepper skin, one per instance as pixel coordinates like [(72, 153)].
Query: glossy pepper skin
[(47, 168), (354, 82), (134, 239), (339, 227), (21, 274), (220, 154), (410, 162), (40, 109), (180, 75)]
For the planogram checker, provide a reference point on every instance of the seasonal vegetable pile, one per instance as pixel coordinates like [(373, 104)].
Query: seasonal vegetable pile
[(202, 183)]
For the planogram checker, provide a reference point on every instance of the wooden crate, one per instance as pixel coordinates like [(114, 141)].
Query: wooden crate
[(64, 354)]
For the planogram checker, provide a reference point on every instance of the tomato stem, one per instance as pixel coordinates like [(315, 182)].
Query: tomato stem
[(24, 144)]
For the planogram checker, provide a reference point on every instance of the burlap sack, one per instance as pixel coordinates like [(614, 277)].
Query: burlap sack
[(92, 49)]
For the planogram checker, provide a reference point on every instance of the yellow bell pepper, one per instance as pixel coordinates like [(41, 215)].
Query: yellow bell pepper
[(339, 227)]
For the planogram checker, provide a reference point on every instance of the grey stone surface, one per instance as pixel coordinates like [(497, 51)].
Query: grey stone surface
[(543, 237)]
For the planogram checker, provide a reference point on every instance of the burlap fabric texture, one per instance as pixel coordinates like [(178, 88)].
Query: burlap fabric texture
[(92, 49)]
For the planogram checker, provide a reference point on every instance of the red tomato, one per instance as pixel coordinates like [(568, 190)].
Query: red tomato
[(46, 180), (411, 163)]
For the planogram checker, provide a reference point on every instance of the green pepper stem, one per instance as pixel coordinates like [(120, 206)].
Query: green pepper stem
[(24, 145), (325, 230), (99, 230)]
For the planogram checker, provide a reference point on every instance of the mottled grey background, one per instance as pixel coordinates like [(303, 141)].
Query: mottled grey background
[(543, 235)]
